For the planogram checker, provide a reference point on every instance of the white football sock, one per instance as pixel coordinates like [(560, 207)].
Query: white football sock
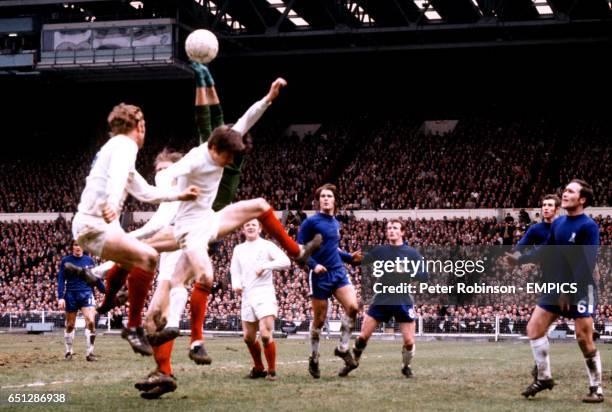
[(345, 333), (593, 365), (69, 338), (541, 350), (178, 299), (407, 355), (90, 337), (315, 336)]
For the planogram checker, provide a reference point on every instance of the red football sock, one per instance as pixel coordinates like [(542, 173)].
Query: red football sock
[(115, 279), (199, 302), (255, 350), (163, 357), (275, 228), (139, 284), (270, 352)]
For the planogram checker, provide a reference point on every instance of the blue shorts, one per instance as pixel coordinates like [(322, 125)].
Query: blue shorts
[(585, 308), (323, 285), (575, 311), (401, 313), (76, 300)]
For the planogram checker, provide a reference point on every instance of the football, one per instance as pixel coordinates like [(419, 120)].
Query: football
[(202, 46)]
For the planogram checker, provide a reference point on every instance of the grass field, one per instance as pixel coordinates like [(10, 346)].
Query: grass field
[(449, 376)]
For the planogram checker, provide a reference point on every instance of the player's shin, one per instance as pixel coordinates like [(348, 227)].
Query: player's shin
[(315, 340), (348, 324), (274, 228), (593, 366), (139, 284), (270, 354), (541, 349), (90, 338), (114, 281), (199, 302), (178, 299), (255, 351), (69, 341), (163, 357), (407, 354)]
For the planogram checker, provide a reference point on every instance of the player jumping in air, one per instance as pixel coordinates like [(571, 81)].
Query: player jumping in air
[(96, 227), (197, 225)]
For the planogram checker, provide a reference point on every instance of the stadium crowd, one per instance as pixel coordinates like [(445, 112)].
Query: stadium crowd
[(30, 253), (481, 164)]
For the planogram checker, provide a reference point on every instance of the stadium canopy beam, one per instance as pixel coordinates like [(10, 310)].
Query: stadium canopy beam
[(327, 14), (256, 15), (513, 10), (220, 13), (393, 13), (457, 11), (283, 17), (23, 3), (581, 9), (316, 13)]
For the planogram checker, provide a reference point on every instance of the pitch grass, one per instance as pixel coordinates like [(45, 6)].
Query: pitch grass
[(449, 376)]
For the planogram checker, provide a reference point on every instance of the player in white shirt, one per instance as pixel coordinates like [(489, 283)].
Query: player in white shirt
[(96, 227), (251, 269), (197, 224)]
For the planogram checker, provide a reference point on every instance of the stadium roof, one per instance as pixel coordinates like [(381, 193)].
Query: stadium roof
[(263, 27)]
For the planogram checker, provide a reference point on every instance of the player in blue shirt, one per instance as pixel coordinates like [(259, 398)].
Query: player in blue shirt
[(402, 313), (538, 233), (73, 294), (572, 259), (328, 277)]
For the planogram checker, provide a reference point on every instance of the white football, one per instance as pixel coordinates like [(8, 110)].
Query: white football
[(202, 46)]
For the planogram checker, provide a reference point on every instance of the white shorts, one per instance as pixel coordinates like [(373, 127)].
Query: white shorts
[(91, 232), (196, 234), (167, 264), (255, 308)]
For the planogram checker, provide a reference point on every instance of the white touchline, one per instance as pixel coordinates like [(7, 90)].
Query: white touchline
[(35, 384)]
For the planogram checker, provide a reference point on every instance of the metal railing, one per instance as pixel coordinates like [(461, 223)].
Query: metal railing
[(428, 325)]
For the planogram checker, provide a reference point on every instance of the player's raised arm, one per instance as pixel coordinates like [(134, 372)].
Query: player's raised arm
[(254, 113)]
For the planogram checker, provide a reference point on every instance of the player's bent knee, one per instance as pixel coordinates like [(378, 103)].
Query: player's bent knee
[(533, 332), (352, 312), (261, 204), (206, 282), (266, 339), (149, 260), (583, 338)]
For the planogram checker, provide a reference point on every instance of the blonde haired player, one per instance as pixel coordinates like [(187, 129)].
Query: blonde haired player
[(251, 269), (96, 227)]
